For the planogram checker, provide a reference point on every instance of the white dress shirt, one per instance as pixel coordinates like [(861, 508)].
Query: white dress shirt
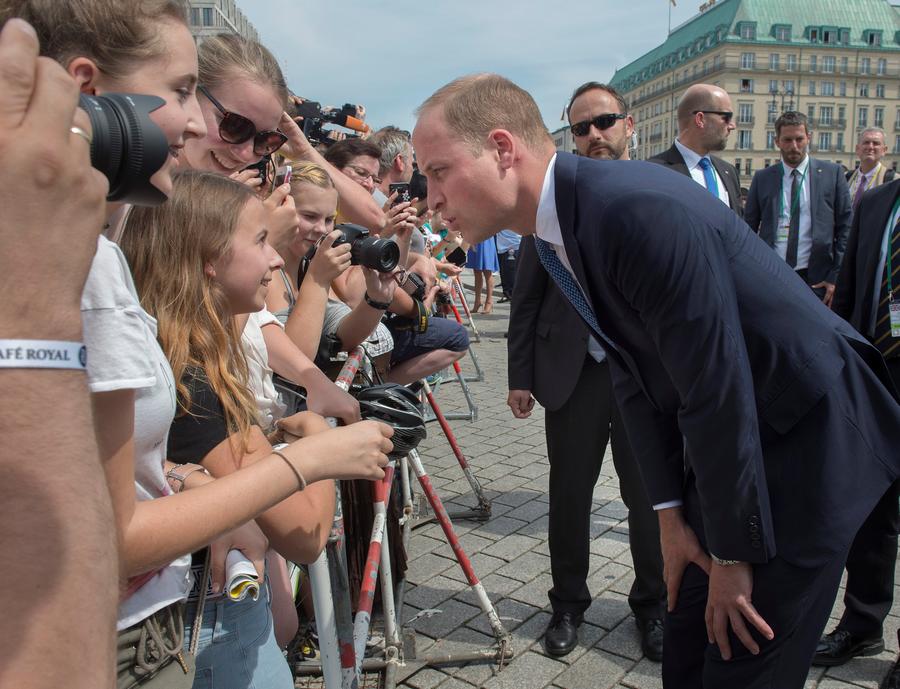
[(804, 239), (692, 160), (547, 228)]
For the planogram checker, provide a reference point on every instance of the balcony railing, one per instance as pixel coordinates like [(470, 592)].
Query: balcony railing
[(746, 120), (828, 123)]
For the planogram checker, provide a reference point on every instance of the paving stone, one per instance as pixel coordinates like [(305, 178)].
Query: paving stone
[(529, 670), (595, 670), (452, 615), (608, 610), (529, 511), (512, 614), (482, 564), (610, 544), (496, 586), (434, 592), (864, 672), (624, 640), (454, 683), (425, 567), (427, 678), (645, 675), (526, 567), (535, 591), (498, 527), (511, 547)]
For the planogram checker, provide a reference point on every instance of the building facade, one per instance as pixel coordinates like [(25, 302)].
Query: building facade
[(836, 61), (211, 17)]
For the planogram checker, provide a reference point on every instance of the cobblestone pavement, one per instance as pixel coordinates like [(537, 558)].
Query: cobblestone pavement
[(511, 557)]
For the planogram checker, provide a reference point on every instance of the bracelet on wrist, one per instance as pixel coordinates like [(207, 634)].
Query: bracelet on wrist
[(724, 563), (58, 354), (301, 482), (380, 305)]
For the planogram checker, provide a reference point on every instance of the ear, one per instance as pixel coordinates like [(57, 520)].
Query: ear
[(209, 271), (505, 144), (85, 73), (398, 163), (629, 125)]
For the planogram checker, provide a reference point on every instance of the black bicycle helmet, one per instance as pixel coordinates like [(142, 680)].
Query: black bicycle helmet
[(400, 409)]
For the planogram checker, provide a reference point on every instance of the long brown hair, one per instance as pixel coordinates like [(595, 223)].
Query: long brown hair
[(115, 34), (168, 247), (227, 56)]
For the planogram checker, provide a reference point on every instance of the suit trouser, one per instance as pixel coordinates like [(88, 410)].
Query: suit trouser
[(873, 555), (794, 597), (577, 435), (508, 272)]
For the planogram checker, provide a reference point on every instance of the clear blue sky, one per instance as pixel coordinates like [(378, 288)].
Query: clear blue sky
[(390, 56)]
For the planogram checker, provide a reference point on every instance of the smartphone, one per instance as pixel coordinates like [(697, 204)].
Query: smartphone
[(282, 176), (261, 168), (402, 189), (457, 257)]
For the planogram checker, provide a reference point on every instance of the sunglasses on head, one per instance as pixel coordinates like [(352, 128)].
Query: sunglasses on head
[(601, 122), (726, 115), (236, 129)]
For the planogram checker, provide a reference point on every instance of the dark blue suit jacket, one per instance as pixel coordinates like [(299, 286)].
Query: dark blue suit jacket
[(830, 213), (715, 345)]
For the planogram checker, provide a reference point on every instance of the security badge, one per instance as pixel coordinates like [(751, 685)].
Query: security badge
[(784, 229), (894, 313)]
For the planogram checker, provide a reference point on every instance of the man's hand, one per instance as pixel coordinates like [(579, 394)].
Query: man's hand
[(520, 402), (829, 292), (730, 589), (680, 547)]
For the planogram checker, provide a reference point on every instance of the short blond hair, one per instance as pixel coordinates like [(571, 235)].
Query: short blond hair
[(310, 173), (475, 105)]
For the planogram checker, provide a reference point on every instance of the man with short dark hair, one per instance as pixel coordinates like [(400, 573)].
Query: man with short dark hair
[(553, 356), (705, 119), (801, 208)]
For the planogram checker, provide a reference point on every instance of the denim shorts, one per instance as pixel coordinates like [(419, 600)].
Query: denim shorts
[(237, 648), (442, 333)]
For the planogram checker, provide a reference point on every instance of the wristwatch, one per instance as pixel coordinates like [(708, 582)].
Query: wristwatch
[(179, 474), (380, 305), (724, 563)]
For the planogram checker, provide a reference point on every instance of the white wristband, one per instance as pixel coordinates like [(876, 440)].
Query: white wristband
[(43, 354)]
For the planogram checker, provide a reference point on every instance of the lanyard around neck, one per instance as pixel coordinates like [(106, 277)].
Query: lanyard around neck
[(890, 282), (795, 202), (870, 180)]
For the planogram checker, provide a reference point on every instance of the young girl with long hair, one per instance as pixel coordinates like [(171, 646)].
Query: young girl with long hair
[(199, 261)]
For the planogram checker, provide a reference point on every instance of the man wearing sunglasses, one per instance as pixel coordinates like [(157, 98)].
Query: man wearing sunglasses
[(705, 119), (552, 356)]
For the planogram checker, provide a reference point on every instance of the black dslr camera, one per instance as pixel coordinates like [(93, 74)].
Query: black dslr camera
[(372, 252), (315, 117), (127, 146)]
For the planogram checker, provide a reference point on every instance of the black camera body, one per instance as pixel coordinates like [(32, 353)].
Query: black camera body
[(126, 145), (315, 117), (372, 252)]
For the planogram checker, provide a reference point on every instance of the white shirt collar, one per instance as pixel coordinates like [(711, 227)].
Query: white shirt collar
[(691, 157), (801, 168), (546, 225)]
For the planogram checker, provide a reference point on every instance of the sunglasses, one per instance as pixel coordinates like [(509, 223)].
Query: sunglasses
[(601, 122), (236, 129), (726, 115)]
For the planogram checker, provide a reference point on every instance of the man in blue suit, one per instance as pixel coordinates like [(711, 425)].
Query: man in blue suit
[(762, 422), (801, 208)]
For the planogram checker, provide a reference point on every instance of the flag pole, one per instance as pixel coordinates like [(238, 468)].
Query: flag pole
[(670, 3)]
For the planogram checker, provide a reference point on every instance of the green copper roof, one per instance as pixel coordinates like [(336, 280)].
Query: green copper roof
[(723, 21)]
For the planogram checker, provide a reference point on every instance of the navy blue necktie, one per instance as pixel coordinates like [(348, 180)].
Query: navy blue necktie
[(566, 282), (709, 177)]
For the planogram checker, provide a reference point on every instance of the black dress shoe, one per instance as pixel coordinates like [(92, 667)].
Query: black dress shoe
[(840, 646), (651, 638), (562, 633)]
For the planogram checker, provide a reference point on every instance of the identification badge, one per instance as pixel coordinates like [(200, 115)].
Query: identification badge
[(784, 229), (894, 311)]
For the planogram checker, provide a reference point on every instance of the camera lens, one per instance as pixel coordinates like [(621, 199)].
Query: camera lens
[(379, 254), (127, 145)]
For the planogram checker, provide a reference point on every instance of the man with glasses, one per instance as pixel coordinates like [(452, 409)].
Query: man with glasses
[(552, 356), (870, 149), (705, 119), (801, 208)]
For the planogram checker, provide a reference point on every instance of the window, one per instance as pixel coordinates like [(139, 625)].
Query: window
[(811, 112), (788, 86), (842, 114), (773, 112), (791, 63), (748, 60), (863, 119), (744, 139), (773, 61), (872, 37), (813, 63), (839, 146), (863, 90), (195, 16), (773, 85), (748, 167), (879, 90), (745, 113), (737, 161), (812, 88), (843, 89), (748, 32), (746, 85), (825, 115), (824, 141), (829, 36), (770, 141), (813, 35), (827, 88), (878, 117), (843, 65), (882, 67), (782, 33), (897, 144), (207, 16), (828, 64), (845, 36), (865, 65)]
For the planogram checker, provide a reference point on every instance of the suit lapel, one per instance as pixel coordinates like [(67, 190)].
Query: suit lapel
[(776, 191), (871, 234), (816, 189), (566, 165), (728, 180)]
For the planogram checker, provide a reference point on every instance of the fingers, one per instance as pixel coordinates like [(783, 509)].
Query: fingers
[(749, 612), (703, 561), (217, 553), (278, 195), (329, 239), (720, 632), (673, 574), (742, 633), (18, 55), (259, 564)]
